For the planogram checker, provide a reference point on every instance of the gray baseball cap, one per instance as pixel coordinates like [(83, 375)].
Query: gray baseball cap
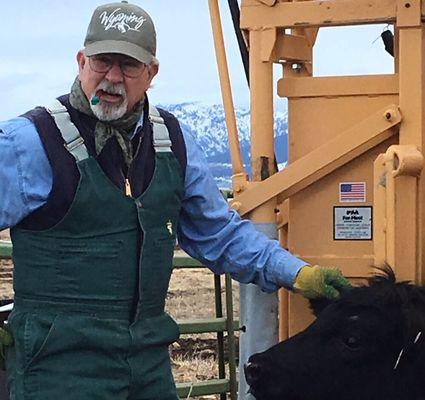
[(121, 28)]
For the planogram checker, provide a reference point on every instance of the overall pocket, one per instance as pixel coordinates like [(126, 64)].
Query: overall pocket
[(156, 270), (82, 262), (32, 334)]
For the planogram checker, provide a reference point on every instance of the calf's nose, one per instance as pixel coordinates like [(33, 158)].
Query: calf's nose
[(252, 373)]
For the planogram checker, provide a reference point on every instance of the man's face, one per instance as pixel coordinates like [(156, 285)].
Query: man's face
[(119, 82)]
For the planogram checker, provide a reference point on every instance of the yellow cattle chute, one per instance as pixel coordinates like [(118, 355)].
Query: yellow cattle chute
[(364, 131)]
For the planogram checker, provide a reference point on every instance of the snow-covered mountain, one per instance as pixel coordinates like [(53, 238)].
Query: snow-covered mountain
[(207, 124)]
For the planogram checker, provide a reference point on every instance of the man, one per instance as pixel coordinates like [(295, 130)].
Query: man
[(95, 188)]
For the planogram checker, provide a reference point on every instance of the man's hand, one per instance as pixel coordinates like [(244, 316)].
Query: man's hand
[(314, 282)]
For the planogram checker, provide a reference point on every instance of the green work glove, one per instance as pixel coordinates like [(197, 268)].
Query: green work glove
[(6, 340), (314, 282)]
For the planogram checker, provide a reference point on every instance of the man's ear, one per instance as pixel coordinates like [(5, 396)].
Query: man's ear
[(81, 60), (153, 70)]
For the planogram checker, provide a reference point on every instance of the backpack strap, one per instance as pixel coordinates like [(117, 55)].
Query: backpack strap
[(161, 136), (74, 143)]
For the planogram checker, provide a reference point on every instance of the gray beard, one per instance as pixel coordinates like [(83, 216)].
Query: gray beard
[(109, 112), (105, 111)]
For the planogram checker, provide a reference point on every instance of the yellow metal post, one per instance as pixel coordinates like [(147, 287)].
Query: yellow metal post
[(226, 90), (411, 64), (403, 165), (380, 211)]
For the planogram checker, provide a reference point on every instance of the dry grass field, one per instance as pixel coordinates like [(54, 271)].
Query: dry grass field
[(191, 296)]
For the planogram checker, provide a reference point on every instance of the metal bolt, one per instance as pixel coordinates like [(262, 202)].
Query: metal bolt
[(407, 5), (296, 67), (388, 116)]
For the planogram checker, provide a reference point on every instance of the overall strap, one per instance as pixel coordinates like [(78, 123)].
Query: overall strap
[(161, 137), (74, 143)]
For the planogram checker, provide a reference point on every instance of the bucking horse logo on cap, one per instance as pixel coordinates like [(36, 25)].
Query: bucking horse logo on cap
[(121, 21)]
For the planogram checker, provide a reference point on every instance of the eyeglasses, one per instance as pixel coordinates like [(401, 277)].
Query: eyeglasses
[(130, 67)]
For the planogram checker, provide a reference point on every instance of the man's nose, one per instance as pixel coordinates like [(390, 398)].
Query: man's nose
[(115, 74)]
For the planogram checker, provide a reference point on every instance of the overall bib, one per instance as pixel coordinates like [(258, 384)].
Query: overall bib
[(89, 321)]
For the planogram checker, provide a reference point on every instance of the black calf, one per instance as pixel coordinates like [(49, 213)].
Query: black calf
[(368, 345)]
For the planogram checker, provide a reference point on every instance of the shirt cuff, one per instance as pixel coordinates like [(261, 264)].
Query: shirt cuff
[(284, 272)]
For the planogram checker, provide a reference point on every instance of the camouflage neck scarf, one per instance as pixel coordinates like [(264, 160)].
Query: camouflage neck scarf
[(121, 128)]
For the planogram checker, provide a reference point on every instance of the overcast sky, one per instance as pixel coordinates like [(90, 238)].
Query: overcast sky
[(39, 41)]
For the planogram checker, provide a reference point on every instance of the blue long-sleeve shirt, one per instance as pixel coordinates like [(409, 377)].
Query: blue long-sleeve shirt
[(208, 230)]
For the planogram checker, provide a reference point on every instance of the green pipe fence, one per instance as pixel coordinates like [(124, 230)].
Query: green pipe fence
[(5, 249), (220, 325)]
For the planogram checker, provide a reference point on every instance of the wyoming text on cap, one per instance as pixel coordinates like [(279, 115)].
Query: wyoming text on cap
[(121, 28)]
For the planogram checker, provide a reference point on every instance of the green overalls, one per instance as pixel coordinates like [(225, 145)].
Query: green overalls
[(89, 321)]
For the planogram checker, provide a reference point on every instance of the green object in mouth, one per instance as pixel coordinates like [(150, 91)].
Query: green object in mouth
[(94, 100)]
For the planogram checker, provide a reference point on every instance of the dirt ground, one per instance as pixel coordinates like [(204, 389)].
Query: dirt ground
[(191, 296)]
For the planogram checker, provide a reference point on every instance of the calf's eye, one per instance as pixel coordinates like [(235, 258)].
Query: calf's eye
[(352, 342)]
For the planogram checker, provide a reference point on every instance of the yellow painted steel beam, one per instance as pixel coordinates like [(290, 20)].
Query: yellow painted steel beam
[(282, 212), (409, 13), (282, 215), (349, 265), (411, 66), (226, 90), (282, 225), (338, 86), (262, 122), (268, 2), (283, 315), (267, 43), (277, 46), (412, 85), (309, 33), (291, 48), (379, 211), (321, 161), (255, 15), (403, 166)]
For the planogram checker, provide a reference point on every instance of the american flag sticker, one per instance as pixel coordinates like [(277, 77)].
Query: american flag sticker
[(352, 192)]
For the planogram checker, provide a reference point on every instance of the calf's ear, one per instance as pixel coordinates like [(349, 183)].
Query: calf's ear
[(318, 305)]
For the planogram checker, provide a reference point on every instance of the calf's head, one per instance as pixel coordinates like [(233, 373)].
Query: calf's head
[(369, 344)]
